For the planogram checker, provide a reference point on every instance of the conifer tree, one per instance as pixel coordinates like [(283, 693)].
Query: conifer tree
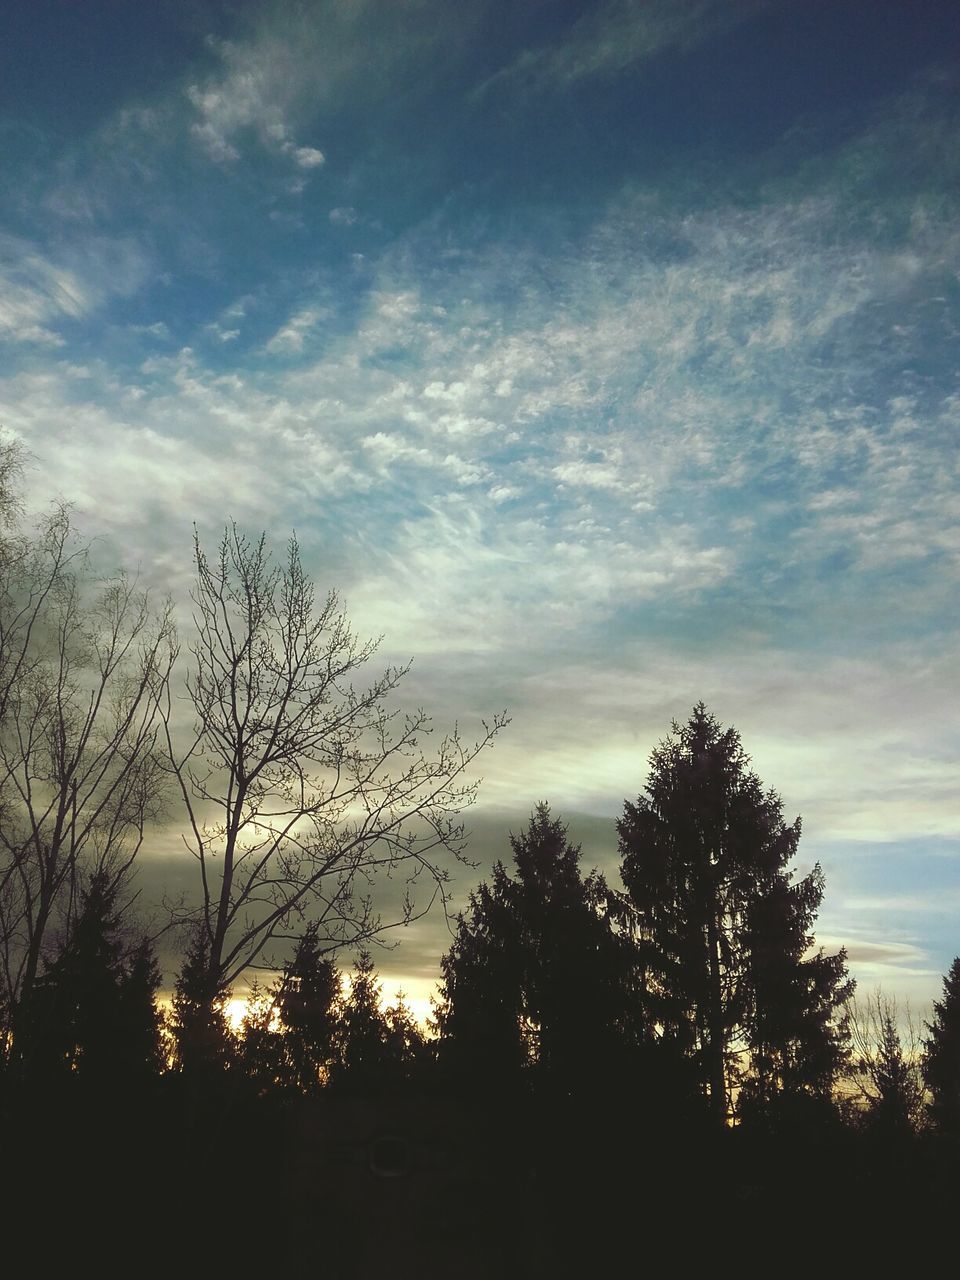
[(363, 1029), (140, 1050), (93, 1012), (405, 1044), (941, 1060), (794, 1025), (706, 861), (203, 1042), (541, 972), (894, 1109), (258, 1042), (307, 1002)]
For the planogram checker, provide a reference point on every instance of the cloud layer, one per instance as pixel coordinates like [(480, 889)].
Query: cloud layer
[(673, 433)]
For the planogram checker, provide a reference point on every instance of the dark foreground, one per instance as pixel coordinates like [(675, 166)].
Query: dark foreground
[(421, 1186)]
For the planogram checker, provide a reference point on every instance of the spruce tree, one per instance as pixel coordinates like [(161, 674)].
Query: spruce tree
[(406, 1046), (93, 1012), (941, 1060), (140, 1049), (203, 1042), (258, 1042), (541, 973), (893, 1110), (706, 861), (307, 1003), (363, 1030)]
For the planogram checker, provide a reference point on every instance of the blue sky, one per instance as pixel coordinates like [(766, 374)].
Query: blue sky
[(603, 354)]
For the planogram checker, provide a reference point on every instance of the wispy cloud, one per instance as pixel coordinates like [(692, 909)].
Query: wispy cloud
[(615, 35), (255, 91), (291, 337), (35, 292), (695, 442), (39, 290)]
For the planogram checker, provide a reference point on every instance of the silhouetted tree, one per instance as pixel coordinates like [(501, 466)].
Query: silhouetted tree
[(889, 1076), (480, 1016), (405, 1043), (706, 858), (363, 1030), (542, 971), (307, 1003), (202, 1039), (941, 1061), (81, 665), (295, 782), (141, 1050), (794, 1023), (259, 1047), (93, 1012)]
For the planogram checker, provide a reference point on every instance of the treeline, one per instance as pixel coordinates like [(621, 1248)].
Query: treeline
[(696, 984), (673, 1048)]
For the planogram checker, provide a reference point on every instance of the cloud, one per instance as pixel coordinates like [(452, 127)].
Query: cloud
[(257, 90), (307, 157), (291, 337), (693, 450), (286, 62), (35, 292), (615, 35), (38, 291), (343, 217)]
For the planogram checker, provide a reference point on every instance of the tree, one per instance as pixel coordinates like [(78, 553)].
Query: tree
[(141, 1050), (941, 1060), (259, 1046), (406, 1045), (794, 1021), (706, 856), (290, 1035), (202, 1040), (307, 1003), (363, 1030), (889, 1077), (300, 788), (93, 1011), (81, 665), (543, 972)]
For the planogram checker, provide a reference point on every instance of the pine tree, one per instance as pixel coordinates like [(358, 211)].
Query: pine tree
[(893, 1110), (888, 1074), (93, 1012), (542, 973), (307, 1002), (140, 1050), (259, 1042), (363, 1030), (480, 1016), (405, 1044), (941, 1060), (793, 1021), (203, 1042), (706, 857)]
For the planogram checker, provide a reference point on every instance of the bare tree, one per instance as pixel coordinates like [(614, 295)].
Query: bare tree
[(300, 788), (81, 665)]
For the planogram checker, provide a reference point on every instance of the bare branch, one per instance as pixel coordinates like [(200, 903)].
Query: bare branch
[(298, 784)]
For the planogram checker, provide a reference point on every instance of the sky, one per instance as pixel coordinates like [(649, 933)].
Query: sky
[(603, 355)]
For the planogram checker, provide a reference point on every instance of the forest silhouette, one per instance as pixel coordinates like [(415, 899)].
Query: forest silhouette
[(602, 1059)]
